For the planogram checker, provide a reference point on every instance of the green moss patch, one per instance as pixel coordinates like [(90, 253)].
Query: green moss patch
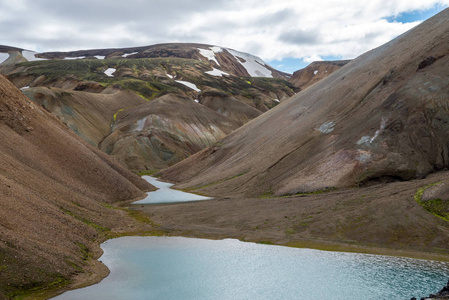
[(437, 207)]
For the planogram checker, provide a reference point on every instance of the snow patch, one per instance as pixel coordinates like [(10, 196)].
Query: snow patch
[(277, 100), (189, 85), (216, 49), (197, 101), (3, 57), (79, 57), (315, 72), (128, 54), (327, 127), (209, 54), (109, 72), (254, 65), (31, 55), (216, 72), (24, 88), (140, 124), (170, 76), (100, 56)]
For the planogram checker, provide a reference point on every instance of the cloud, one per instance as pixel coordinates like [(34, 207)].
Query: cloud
[(270, 29), (299, 37)]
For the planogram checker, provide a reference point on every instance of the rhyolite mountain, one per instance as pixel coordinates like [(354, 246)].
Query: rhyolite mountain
[(94, 92), (381, 117), (56, 195), (314, 72)]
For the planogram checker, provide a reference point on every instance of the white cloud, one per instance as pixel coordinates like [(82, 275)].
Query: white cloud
[(271, 29)]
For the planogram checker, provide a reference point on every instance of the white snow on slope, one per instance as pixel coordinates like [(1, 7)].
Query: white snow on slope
[(109, 72), (128, 54), (99, 56), (216, 72), (24, 88), (171, 76), (327, 127), (189, 85), (315, 72), (30, 55), (210, 54), (72, 58), (3, 57), (253, 64), (140, 124)]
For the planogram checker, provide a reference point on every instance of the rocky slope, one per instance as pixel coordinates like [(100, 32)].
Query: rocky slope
[(315, 72), (89, 89), (56, 194), (382, 117), (164, 131)]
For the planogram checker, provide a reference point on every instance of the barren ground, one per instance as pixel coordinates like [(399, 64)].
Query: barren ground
[(380, 219)]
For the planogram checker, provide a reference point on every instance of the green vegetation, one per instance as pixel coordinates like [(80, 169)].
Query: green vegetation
[(86, 221), (39, 290), (147, 172), (438, 207), (270, 194)]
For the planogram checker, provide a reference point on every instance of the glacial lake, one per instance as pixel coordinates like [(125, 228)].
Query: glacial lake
[(165, 194), (187, 268)]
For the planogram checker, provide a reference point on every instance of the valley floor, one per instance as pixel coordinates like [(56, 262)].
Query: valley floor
[(380, 219)]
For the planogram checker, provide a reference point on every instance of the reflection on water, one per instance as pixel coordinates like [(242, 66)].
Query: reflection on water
[(184, 268), (165, 194)]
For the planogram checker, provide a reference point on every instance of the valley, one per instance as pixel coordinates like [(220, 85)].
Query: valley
[(346, 155)]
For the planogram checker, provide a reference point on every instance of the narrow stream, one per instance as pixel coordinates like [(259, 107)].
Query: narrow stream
[(165, 194)]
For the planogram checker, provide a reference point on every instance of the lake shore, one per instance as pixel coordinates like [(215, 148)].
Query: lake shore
[(383, 219)]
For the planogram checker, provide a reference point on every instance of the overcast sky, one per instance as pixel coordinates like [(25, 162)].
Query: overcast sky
[(288, 34)]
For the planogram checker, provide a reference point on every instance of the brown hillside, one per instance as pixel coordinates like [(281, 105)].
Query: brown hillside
[(382, 117), (89, 115), (315, 72), (164, 131), (54, 191)]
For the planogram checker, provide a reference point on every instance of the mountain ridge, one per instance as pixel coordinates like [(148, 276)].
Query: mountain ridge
[(329, 141)]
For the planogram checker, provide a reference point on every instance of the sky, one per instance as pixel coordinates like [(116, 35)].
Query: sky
[(287, 34)]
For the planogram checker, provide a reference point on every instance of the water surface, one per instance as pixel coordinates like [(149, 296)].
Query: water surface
[(185, 268), (165, 194)]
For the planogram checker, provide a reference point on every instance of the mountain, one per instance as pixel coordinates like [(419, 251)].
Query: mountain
[(90, 91), (56, 196), (314, 72), (382, 117)]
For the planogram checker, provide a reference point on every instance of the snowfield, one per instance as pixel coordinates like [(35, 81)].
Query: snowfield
[(109, 72), (99, 56), (79, 57), (30, 55), (253, 64), (128, 54), (216, 72), (210, 54), (3, 57), (189, 85)]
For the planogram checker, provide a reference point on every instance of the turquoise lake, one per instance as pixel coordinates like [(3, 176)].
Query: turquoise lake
[(185, 268)]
